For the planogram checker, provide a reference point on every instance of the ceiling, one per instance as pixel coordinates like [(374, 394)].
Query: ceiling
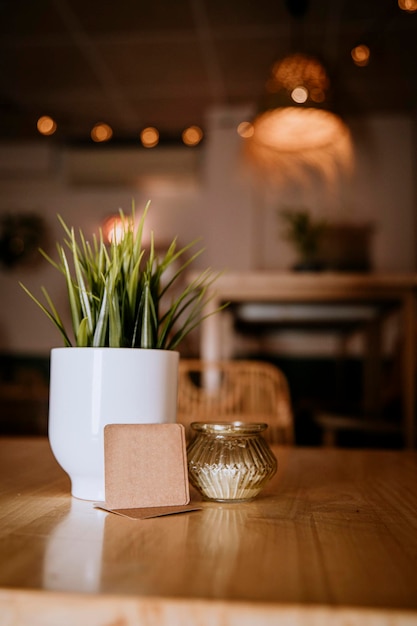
[(166, 62)]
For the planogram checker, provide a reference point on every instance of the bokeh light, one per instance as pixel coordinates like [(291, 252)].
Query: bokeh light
[(245, 129), (299, 95), (410, 6), (101, 132), (149, 137), (361, 55), (192, 135), (113, 229), (46, 125)]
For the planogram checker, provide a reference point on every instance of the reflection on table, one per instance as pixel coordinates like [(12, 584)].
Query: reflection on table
[(331, 540)]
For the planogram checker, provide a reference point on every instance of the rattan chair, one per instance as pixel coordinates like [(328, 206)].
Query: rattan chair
[(235, 390)]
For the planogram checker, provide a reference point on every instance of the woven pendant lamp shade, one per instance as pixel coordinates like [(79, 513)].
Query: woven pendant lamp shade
[(296, 131)]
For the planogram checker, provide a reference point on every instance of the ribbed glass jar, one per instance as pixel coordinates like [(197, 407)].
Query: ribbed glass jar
[(229, 461)]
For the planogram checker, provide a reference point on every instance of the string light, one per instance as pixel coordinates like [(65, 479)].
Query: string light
[(360, 55), (149, 137), (192, 135), (101, 132), (46, 125)]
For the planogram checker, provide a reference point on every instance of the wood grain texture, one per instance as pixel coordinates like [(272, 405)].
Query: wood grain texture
[(332, 540)]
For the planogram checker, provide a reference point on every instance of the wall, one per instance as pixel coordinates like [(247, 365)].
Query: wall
[(204, 193)]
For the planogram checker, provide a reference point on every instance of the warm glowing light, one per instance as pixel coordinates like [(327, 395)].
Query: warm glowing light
[(299, 95), (299, 70), (101, 132), (295, 130), (245, 129), (192, 135), (114, 228), (408, 5), (149, 137), (46, 125), (360, 55), (287, 142)]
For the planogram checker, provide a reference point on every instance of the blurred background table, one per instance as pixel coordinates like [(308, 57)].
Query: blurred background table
[(332, 539), (331, 299)]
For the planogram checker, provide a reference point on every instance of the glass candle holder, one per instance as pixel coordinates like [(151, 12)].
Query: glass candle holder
[(229, 461)]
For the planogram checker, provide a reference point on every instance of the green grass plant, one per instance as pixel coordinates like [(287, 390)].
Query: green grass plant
[(122, 295)]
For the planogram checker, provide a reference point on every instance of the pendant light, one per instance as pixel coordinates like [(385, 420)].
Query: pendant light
[(296, 132)]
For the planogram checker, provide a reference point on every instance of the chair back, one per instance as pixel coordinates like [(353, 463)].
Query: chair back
[(235, 390)]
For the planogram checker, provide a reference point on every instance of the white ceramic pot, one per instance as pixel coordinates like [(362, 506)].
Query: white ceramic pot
[(92, 387)]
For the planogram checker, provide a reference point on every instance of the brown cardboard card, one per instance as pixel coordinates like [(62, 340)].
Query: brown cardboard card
[(145, 466), (149, 512)]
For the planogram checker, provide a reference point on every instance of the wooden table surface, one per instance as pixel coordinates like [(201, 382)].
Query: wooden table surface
[(332, 540)]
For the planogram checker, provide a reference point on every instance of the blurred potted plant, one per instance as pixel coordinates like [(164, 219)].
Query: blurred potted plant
[(305, 234), (119, 363)]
